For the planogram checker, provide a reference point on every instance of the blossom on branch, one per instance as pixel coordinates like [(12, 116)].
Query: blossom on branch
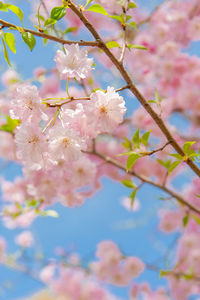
[(74, 63)]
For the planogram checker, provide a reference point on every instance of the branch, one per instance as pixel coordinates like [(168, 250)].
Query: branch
[(144, 179), (131, 85), (48, 36)]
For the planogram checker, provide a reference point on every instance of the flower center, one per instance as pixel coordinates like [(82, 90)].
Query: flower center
[(33, 140), (66, 142), (103, 110)]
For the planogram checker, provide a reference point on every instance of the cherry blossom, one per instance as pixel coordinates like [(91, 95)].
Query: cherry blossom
[(74, 63)]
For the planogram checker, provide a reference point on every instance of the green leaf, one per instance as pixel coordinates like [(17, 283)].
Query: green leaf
[(5, 52), (118, 18), (70, 29), (145, 138), (132, 197), (157, 96), (164, 273), (188, 276), (127, 144), (10, 41), (112, 44), (16, 10), (186, 220), (141, 47), (132, 5), (131, 160), (58, 13), (87, 3), (187, 147), (136, 139), (49, 21), (196, 219), (134, 25), (176, 155), (126, 153), (151, 101), (10, 125), (29, 39), (128, 183), (173, 166), (165, 164), (98, 9), (3, 6), (18, 205), (32, 203)]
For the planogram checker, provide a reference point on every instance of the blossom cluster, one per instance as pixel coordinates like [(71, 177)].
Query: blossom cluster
[(113, 268)]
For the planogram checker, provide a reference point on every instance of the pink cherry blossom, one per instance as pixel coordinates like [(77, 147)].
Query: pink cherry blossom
[(108, 109), (31, 146), (74, 63), (24, 239), (26, 103), (64, 143)]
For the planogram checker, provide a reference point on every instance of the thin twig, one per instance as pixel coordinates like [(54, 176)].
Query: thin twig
[(48, 36), (115, 163)]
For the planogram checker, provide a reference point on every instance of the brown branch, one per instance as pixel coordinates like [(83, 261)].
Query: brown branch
[(65, 102), (156, 150), (131, 85), (48, 36), (144, 179), (70, 99)]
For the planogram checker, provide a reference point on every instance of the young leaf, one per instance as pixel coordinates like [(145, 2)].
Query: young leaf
[(3, 6), (196, 219), (131, 160), (10, 41), (136, 139), (157, 97), (128, 183), (10, 125), (186, 220), (87, 3), (127, 144), (187, 147), (112, 44), (16, 10), (126, 153), (132, 5), (141, 47), (133, 24), (49, 21), (173, 166), (177, 156), (118, 18), (5, 52), (151, 101), (132, 196), (29, 39), (70, 29), (98, 9), (165, 164), (58, 13), (145, 138)]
